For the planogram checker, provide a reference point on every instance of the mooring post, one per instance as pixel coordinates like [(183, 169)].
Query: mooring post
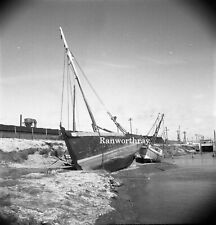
[(32, 133), (20, 120), (46, 132)]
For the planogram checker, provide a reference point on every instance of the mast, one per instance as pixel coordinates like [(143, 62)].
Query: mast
[(130, 120), (178, 135), (72, 64), (214, 141)]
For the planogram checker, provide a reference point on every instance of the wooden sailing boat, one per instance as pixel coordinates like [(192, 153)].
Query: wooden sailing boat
[(150, 152), (94, 150)]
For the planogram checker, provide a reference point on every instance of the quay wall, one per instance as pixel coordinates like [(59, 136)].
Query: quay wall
[(11, 131)]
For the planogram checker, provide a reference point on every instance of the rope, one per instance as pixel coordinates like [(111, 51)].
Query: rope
[(163, 130), (68, 102), (62, 95), (70, 88), (99, 99), (153, 125), (70, 85), (77, 112), (94, 91)]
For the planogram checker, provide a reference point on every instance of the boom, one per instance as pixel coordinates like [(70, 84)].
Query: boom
[(113, 118), (157, 129)]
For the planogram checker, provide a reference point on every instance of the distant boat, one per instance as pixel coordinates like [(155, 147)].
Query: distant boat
[(206, 145), (95, 150), (150, 152)]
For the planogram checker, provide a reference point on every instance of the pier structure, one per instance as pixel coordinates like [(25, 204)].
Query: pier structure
[(184, 137), (130, 120), (178, 135), (166, 134)]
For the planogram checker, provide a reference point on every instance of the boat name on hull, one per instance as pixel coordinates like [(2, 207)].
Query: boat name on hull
[(131, 140)]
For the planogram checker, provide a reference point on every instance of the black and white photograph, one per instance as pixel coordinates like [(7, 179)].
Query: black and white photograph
[(107, 112)]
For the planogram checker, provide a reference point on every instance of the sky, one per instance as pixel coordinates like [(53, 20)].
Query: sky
[(143, 57)]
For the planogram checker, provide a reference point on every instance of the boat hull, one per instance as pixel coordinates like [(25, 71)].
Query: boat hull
[(90, 152), (112, 159), (206, 146), (151, 154)]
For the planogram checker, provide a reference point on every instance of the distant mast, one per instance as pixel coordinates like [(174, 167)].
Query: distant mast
[(214, 142)]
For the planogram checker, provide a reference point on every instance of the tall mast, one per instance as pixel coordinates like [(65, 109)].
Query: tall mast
[(214, 141), (72, 64)]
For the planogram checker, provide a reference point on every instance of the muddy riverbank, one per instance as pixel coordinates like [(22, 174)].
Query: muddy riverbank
[(58, 197), (34, 189)]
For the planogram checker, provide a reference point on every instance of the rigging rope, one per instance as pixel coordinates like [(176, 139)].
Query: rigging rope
[(68, 95), (163, 130), (70, 88), (62, 95), (77, 112), (80, 68), (153, 125), (95, 127), (100, 100)]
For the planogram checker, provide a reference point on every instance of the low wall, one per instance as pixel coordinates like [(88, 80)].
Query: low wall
[(10, 131)]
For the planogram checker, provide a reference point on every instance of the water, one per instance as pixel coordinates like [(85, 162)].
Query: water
[(183, 195)]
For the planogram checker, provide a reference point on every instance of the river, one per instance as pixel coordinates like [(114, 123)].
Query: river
[(186, 194), (164, 193)]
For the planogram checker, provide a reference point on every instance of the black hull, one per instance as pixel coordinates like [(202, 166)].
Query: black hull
[(87, 151), (116, 164)]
